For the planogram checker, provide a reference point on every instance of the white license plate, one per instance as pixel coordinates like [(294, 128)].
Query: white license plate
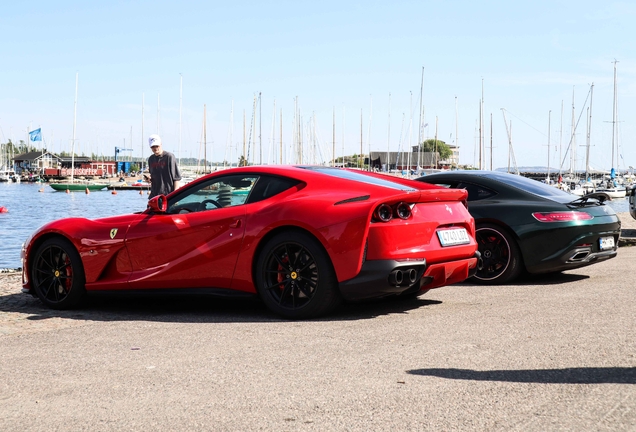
[(452, 237), (606, 243)]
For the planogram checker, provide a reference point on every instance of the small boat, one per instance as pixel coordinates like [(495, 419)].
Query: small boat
[(74, 187), (134, 186)]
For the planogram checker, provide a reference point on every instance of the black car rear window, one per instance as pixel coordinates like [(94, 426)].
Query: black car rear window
[(529, 185), (476, 192), (352, 175)]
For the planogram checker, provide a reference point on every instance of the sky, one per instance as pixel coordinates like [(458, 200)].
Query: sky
[(358, 65)]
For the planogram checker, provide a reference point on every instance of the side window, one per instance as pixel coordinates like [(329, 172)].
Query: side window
[(215, 193), (476, 192), (268, 186)]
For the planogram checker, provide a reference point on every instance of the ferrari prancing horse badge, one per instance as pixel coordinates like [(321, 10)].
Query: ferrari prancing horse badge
[(113, 233)]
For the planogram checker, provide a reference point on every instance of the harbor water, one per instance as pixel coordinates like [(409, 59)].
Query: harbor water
[(28, 209)]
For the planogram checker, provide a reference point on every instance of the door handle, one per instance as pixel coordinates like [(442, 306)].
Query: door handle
[(236, 224)]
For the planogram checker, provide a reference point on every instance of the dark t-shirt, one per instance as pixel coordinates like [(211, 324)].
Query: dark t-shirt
[(163, 173)]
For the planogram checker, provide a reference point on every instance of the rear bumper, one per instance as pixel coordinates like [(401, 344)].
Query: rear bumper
[(379, 278), (573, 259), (581, 252)]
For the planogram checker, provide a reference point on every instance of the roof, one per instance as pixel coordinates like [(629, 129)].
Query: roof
[(34, 155)]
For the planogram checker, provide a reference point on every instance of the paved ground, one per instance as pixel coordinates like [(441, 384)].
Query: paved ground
[(549, 353)]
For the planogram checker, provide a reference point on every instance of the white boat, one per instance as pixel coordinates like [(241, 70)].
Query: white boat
[(7, 175), (613, 192)]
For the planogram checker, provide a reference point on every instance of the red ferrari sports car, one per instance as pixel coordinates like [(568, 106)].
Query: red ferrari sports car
[(303, 238)]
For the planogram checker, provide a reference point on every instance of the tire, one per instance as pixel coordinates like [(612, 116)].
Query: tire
[(57, 274), (500, 253), (295, 277)]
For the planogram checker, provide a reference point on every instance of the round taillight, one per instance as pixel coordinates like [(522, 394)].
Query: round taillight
[(403, 210), (383, 213)]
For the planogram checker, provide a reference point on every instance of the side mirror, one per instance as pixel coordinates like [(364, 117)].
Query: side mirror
[(158, 204)]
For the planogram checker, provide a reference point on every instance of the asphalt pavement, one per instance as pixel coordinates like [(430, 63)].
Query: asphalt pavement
[(545, 353)]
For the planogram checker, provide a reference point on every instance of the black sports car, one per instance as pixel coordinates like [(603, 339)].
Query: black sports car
[(525, 224)]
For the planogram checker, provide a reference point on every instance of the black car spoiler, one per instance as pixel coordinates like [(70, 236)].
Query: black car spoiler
[(594, 198)]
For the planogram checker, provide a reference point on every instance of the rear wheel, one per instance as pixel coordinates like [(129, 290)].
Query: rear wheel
[(57, 274), (500, 253), (295, 278)]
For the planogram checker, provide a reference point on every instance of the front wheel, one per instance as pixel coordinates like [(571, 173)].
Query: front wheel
[(500, 254), (295, 277), (57, 274)]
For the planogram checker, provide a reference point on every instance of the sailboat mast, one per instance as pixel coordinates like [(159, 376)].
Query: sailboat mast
[(360, 155), (333, 138), (260, 130), (180, 111), (388, 142), (614, 115), (549, 114), (589, 134), (244, 160), (490, 141), (561, 142), (369, 133), (74, 124), (419, 129), (205, 142), (435, 154), (573, 141), (142, 131), (457, 127)]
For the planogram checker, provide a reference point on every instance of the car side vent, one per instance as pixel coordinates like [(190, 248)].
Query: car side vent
[(350, 200)]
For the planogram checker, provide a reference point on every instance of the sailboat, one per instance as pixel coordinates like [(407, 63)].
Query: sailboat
[(73, 185), (611, 186)]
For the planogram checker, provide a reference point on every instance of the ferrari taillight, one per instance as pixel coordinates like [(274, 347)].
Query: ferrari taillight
[(403, 210), (572, 216), (385, 212)]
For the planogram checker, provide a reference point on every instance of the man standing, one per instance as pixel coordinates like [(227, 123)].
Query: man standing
[(164, 172)]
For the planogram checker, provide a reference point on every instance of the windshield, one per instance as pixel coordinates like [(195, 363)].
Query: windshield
[(359, 177)]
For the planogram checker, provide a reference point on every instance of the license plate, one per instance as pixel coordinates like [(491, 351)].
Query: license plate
[(455, 236), (606, 243)]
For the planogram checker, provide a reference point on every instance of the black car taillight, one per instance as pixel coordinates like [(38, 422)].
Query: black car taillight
[(571, 216)]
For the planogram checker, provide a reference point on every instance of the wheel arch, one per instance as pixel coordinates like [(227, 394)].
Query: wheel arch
[(35, 244), (509, 230), (286, 228)]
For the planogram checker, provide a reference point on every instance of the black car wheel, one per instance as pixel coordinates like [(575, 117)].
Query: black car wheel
[(500, 254), (295, 277), (57, 274)]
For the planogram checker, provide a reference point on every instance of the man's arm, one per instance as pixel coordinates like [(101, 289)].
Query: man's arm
[(177, 184)]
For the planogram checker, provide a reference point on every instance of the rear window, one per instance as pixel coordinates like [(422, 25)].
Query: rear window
[(533, 186), (359, 177)]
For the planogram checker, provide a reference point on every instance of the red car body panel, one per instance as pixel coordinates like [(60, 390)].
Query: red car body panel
[(218, 248)]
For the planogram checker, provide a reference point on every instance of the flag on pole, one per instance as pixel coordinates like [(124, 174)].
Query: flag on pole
[(36, 135)]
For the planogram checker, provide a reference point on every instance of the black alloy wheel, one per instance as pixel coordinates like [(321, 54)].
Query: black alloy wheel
[(500, 254), (295, 277), (57, 274)]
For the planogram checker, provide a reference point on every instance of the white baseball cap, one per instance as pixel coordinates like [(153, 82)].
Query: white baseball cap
[(154, 140)]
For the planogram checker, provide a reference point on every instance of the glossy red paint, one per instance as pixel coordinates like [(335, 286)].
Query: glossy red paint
[(218, 248)]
